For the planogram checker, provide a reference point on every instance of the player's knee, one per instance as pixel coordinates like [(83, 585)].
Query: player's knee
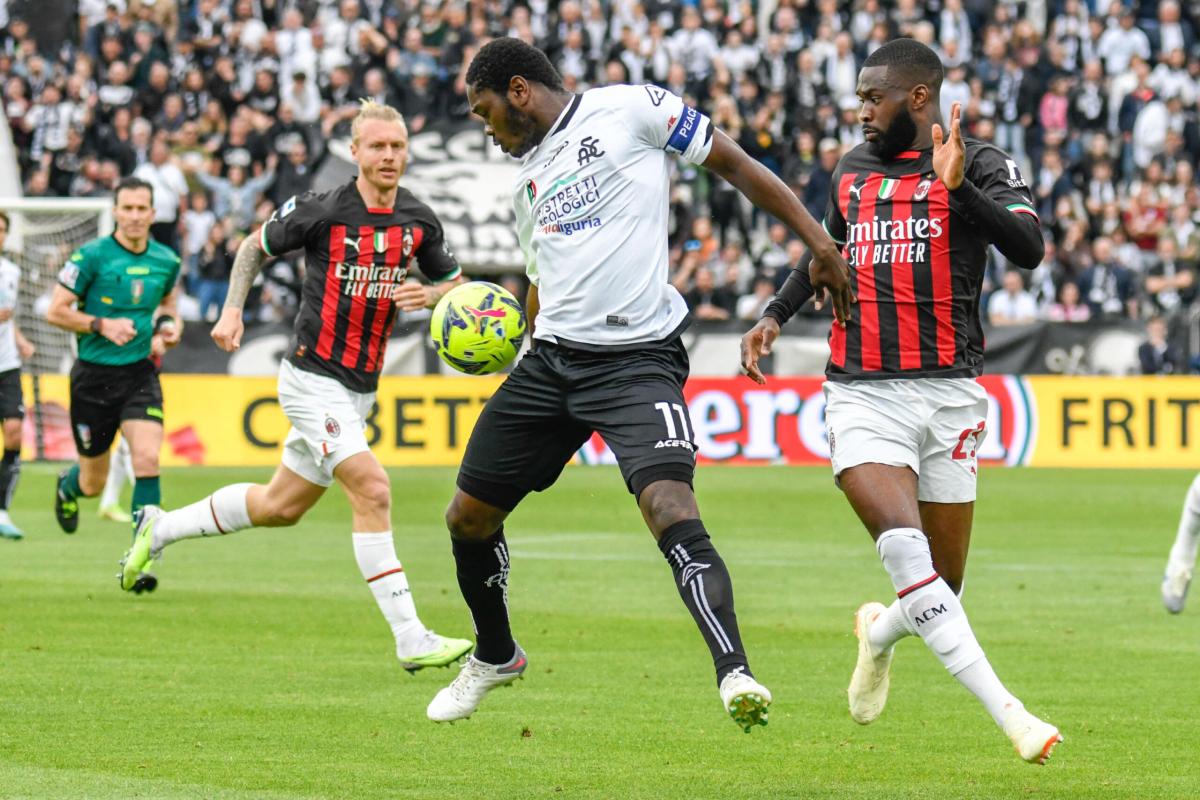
[(465, 520), (664, 503), (12, 434), (145, 464), (372, 496), (279, 514)]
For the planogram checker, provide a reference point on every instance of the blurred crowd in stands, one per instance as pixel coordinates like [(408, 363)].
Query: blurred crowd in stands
[(227, 106)]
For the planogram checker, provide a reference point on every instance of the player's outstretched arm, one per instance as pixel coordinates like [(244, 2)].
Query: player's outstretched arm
[(829, 271), (248, 262)]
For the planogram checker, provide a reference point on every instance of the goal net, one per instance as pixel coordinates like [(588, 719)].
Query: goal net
[(43, 233)]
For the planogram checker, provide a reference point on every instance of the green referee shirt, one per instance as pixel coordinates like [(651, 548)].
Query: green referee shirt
[(111, 281)]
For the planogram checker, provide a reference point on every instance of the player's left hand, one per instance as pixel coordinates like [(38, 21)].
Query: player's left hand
[(757, 343), (949, 155), (413, 296), (157, 346), (26, 349)]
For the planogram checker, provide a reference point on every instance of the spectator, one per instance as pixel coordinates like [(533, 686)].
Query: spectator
[(1170, 283), (215, 265), (169, 190), (1068, 308), (1156, 354), (235, 197), (750, 307), (1107, 286), (294, 176), (707, 301), (198, 222), (1012, 305)]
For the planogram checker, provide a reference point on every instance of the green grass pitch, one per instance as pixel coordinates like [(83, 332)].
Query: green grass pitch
[(261, 667)]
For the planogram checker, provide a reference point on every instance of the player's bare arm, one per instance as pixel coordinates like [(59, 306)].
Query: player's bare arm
[(413, 295), (248, 262), (829, 271), (24, 346), (1017, 236), (64, 314)]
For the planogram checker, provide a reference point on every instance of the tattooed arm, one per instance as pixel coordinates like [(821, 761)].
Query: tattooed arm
[(227, 333)]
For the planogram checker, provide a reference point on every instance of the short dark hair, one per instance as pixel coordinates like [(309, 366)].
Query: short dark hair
[(132, 182), (910, 61), (501, 60), (7, 223)]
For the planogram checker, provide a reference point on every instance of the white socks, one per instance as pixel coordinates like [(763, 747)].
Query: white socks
[(934, 613), (376, 556), (1183, 552), (120, 472), (224, 511), (889, 628)]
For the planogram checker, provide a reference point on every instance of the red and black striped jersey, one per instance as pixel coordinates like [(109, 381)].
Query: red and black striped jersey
[(355, 259), (917, 260)]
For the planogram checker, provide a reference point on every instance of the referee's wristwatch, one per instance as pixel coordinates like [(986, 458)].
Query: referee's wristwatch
[(95, 325)]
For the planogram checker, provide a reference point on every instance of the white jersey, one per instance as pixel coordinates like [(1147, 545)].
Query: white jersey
[(10, 287), (591, 206)]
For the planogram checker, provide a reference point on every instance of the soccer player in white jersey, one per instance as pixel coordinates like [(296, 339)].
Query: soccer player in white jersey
[(591, 209), (1182, 561), (14, 348)]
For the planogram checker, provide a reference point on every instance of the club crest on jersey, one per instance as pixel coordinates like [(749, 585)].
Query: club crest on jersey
[(589, 148), (332, 427), (407, 243), (922, 190), (137, 288), (888, 188)]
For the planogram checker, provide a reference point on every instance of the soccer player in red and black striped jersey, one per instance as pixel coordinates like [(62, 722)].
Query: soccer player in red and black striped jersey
[(915, 209), (360, 242)]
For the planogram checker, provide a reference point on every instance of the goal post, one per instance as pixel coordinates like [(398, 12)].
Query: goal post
[(43, 232)]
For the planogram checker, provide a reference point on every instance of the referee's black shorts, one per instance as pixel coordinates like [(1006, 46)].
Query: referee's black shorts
[(103, 396), (553, 401), (12, 398)]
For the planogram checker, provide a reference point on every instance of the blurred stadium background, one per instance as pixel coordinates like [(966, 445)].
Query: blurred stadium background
[(231, 106)]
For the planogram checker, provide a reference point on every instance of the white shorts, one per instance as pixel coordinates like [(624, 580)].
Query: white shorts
[(328, 423), (934, 426)]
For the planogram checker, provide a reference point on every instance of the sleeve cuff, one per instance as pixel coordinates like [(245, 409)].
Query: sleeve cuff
[(455, 274), (262, 240)]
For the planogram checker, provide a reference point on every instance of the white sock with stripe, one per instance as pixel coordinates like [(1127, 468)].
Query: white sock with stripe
[(376, 557), (223, 511), (934, 612), (120, 472)]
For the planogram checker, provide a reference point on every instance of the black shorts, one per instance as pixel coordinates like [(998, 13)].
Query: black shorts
[(12, 399), (103, 396), (553, 401)]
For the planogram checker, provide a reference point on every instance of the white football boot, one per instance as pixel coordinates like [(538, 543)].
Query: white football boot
[(745, 699), (464, 694), (868, 690), (1175, 585), (1032, 739)]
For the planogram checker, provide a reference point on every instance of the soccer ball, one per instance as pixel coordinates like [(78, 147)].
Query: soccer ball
[(477, 328)]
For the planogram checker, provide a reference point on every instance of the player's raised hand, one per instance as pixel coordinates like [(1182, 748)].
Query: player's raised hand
[(227, 333), (412, 296), (118, 330), (829, 273), (756, 343), (950, 155)]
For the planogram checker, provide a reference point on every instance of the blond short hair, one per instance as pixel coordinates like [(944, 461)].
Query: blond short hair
[(369, 109)]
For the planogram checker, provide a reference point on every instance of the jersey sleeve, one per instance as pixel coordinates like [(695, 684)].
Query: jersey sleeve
[(434, 256), (524, 219), (998, 176), (291, 225), (78, 273), (834, 221), (663, 121)]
